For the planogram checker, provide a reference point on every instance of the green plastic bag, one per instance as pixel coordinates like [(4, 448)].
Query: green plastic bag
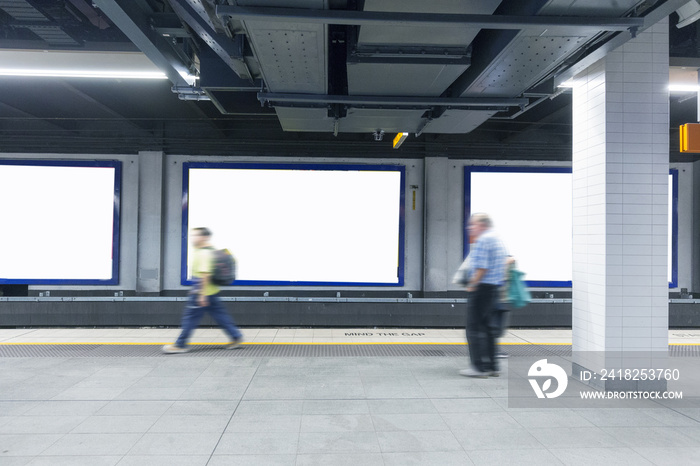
[(518, 294)]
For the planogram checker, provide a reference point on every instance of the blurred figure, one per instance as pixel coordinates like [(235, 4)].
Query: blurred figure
[(204, 296), (487, 263)]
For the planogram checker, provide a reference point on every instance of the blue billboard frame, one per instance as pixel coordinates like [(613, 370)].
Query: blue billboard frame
[(468, 170), (117, 166), (187, 166), (674, 228)]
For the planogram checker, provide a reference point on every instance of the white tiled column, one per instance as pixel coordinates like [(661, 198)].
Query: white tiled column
[(620, 203)]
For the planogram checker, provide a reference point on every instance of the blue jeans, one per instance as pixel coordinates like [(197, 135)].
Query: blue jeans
[(480, 333), (194, 312)]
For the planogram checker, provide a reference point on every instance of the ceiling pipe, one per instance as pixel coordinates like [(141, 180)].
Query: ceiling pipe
[(381, 18), (189, 90), (524, 109), (472, 102)]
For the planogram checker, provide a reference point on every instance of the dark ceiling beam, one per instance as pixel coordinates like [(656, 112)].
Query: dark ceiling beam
[(135, 24), (169, 25), (392, 101), (86, 9), (229, 50), (381, 18)]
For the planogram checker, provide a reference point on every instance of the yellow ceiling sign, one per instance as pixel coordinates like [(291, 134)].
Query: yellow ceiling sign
[(690, 137)]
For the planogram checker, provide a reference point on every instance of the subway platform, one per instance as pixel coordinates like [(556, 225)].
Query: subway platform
[(72, 396)]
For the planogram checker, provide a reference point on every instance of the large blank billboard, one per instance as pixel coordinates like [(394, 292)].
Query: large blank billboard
[(299, 224), (60, 222), (532, 211)]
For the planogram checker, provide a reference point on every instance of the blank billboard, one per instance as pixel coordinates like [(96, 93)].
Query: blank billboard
[(60, 222), (297, 224), (532, 212)]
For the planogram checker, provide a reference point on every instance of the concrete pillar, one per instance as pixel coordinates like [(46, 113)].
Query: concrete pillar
[(435, 237), (149, 257), (620, 188)]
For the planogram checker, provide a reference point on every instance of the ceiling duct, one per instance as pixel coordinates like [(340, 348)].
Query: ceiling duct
[(688, 14)]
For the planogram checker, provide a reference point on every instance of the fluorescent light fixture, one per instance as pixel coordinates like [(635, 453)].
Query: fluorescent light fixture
[(684, 87), (70, 64), (567, 84), (83, 74)]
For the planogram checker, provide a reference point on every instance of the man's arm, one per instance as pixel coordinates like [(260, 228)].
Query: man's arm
[(202, 299), (205, 280), (476, 279)]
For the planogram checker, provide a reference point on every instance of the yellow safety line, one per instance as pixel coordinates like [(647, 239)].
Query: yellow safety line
[(293, 343), (258, 343)]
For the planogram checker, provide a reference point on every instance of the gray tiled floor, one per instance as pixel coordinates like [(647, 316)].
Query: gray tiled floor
[(222, 410)]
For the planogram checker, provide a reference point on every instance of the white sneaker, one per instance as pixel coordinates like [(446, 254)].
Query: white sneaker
[(472, 372), (172, 349), (236, 343)]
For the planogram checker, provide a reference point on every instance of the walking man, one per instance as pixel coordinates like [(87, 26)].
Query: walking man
[(204, 296), (487, 260)]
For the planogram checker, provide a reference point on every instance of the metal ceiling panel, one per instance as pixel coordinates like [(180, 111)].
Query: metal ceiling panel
[(305, 119), (432, 57), (524, 62), (590, 7), (405, 36), (292, 56), (34, 20), (358, 120), (533, 53), (366, 120), (52, 34), (21, 10), (458, 121), (390, 79)]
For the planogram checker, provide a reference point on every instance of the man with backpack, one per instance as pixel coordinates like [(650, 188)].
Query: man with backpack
[(204, 296)]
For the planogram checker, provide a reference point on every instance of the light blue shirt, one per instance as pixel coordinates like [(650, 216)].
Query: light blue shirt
[(488, 253)]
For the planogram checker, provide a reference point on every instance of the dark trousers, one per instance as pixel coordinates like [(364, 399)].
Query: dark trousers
[(499, 320), (194, 313), (480, 334)]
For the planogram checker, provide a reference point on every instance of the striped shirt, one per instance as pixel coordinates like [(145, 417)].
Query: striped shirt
[(488, 253)]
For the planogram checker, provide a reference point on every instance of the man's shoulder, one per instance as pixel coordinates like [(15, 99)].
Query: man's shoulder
[(203, 255), (490, 236), (492, 240)]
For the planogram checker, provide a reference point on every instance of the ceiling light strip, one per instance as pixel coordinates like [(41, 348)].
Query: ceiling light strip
[(83, 74)]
